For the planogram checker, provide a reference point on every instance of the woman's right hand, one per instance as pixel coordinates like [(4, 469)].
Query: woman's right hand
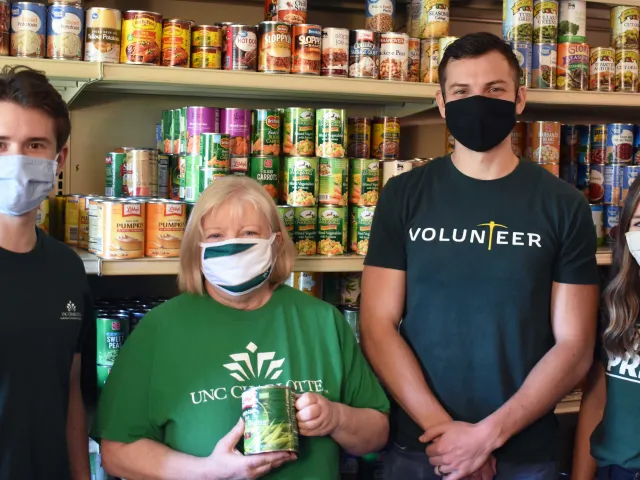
[(227, 463)]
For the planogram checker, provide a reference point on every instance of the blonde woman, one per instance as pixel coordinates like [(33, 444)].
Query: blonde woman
[(171, 406), (608, 435)]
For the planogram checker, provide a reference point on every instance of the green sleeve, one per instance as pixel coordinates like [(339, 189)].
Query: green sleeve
[(124, 407), (360, 386)]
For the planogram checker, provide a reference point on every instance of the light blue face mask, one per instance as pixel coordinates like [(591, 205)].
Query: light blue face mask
[(24, 182)]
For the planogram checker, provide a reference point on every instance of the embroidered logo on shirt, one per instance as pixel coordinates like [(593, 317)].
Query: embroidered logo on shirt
[(491, 233), (243, 364), (71, 313)]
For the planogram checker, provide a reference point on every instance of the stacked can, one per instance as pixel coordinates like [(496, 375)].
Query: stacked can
[(625, 28), (573, 61), (545, 36), (543, 145), (517, 30), (236, 122), (266, 148), (206, 47), (569, 154)]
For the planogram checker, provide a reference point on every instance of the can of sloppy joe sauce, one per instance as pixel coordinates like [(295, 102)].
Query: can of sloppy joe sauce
[(335, 52), (306, 49), (103, 32), (274, 50), (141, 38), (394, 56), (176, 43), (5, 22), (241, 47), (65, 31), (364, 54), (28, 29)]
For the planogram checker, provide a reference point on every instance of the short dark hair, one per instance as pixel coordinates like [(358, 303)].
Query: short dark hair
[(474, 45), (30, 89)]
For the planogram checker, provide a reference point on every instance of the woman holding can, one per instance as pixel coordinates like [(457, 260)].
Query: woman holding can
[(171, 405), (608, 436)]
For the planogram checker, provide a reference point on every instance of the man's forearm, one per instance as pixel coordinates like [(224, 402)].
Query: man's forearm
[(552, 378), (361, 430), (403, 376), (77, 437)]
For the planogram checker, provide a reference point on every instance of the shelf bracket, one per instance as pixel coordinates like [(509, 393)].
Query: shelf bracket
[(69, 90)]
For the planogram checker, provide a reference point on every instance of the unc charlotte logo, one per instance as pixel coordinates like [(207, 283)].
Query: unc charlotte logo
[(71, 313), (242, 364)]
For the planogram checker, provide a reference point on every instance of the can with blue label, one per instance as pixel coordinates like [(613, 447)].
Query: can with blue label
[(584, 144), (517, 20), (544, 64), (596, 183), (611, 222), (597, 214), (65, 31), (582, 182), (523, 52), (629, 174), (636, 145), (568, 143), (620, 143), (569, 173), (28, 29), (613, 184)]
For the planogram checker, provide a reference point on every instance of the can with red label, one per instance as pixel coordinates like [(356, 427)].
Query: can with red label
[(394, 56), (306, 49), (612, 184), (596, 183), (241, 51), (335, 52), (292, 11), (598, 144), (414, 60), (620, 143), (611, 222)]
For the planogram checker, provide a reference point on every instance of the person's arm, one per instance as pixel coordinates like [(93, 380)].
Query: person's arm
[(381, 309), (77, 434), (594, 398)]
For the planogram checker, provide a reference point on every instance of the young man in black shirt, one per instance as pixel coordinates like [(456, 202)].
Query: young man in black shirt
[(480, 288), (44, 294)]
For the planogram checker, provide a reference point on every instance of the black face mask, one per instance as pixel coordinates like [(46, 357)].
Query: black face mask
[(480, 123)]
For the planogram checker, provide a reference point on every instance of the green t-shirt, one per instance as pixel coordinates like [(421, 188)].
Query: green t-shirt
[(179, 378), (480, 260), (616, 440)]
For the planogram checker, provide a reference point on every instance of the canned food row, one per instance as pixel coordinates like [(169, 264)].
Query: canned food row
[(614, 143), (428, 18), (606, 220), (608, 184), (221, 134)]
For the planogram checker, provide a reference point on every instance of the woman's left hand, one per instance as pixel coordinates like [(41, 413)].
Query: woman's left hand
[(317, 416)]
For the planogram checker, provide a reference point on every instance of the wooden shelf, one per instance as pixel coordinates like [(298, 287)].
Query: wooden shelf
[(570, 404), (604, 256)]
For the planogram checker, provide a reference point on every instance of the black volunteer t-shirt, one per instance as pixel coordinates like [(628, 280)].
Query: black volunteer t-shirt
[(480, 258), (46, 310)]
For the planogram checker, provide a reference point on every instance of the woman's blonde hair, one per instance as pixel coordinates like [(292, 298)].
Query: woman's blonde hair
[(239, 190)]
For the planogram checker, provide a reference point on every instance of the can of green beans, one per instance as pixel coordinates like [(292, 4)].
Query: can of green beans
[(270, 424), (112, 330)]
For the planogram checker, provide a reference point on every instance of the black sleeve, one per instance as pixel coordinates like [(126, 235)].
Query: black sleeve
[(387, 241), (576, 259), (86, 347)]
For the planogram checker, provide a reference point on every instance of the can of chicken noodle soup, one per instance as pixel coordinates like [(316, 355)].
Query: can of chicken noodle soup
[(364, 54), (429, 60), (335, 52), (620, 143), (597, 214), (28, 29), (612, 214), (524, 53), (433, 18), (627, 70), (240, 47), (413, 64), (141, 38), (625, 27), (602, 69), (305, 230), (545, 21), (5, 27), (206, 36), (629, 175), (306, 49), (330, 132), (573, 66), (65, 31), (544, 65), (517, 20), (274, 50), (385, 143), (394, 56), (334, 181), (292, 11), (299, 131), (572, 21), (103, 32), (176, 43)]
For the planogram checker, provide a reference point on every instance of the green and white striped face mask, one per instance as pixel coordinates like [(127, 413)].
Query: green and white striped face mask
[(238, 266)]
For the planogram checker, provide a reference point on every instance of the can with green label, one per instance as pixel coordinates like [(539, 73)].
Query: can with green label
[(270, 423), (181, 122), (116, 170), (265, 170), (168, 131), (208, 175), (215, 150), (300, 181), (266, 132), (360, 227), (305, 229), (112, 330), (330, 132), (364, 181), (192, 177), (103, 373), (174, 173), (182, 176), (286, 213), (334, 181), (332, 230), (299, 132)]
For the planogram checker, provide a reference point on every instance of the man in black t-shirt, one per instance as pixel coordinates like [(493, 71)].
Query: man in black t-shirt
[(480, 289), (44, 295)]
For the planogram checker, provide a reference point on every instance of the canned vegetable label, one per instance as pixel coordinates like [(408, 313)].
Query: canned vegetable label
[(65, 32), (299, 132), (286, 214), (572, 21), (305, 230), (269, 415), (330, 130), (265, 132), (116, 169), (380, 15), (111, 334), (265, 171), (545, 21), (358, 137), (625, 27), (524, 53), (545, 142), (517, 20), (626, 70), (215, 150), (429, 60), (573, 66), (361, 221), (333, 181), (364, 186), (104, 31), (433, 21), (544, 66), (598, 144), (332, 229), (602, 69), (394, 56), (208, 175), (192, 177), (176, 43), (300, 181), (28, 29)]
